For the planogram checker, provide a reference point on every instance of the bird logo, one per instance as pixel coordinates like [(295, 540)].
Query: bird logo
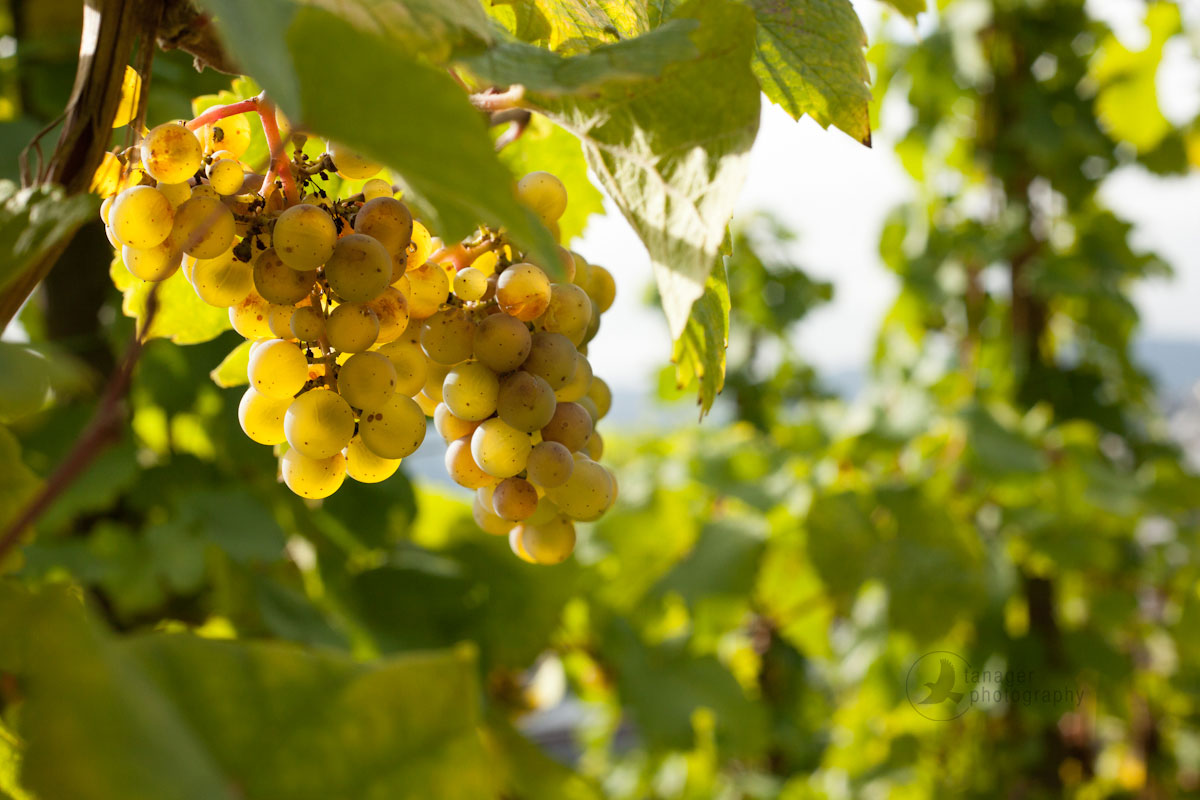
[(937, 685), (943, 689)]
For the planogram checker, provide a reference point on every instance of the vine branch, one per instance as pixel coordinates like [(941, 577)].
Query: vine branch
[(102, 431)]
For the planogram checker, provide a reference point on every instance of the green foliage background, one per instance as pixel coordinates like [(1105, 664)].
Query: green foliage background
[(741, 625)]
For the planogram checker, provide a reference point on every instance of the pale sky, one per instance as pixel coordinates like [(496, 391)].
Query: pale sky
[(835, 194)]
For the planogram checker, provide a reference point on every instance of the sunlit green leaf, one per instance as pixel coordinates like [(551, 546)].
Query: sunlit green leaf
[(699, 352), (181, 315)]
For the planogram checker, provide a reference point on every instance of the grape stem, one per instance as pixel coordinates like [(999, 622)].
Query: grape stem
[(103, 431), (265, 109)]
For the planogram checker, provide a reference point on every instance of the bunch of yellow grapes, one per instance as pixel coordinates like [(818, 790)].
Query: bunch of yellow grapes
[(363, 326)]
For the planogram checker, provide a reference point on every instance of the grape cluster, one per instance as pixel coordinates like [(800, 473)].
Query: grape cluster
[(362, 326)]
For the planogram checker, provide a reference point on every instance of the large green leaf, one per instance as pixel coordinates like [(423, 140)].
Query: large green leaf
[(17, 481), (699, 352), (32, 376), (232, 369), (378, 98), (672, 153), (545, 146), (809, 59), (35, 222), (180, 717), (541, 71), (571, 25)]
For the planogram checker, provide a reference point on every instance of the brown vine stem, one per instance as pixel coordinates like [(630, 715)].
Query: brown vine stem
[(102, 431)]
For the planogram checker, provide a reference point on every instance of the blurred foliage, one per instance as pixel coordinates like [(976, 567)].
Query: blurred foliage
[(742, 624)]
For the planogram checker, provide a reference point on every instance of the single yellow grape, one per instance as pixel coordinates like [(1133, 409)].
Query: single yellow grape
[(450, 426), (314, 478), (231, 133), (421, 246), (570, 426), (514, 499), (428, 289), (502, 342), (367, 380), (350, 164), (279, 319), (470, 284), (551, 356), (279, 283), (411, 367), (544, 194), (387, 220), (278, 369), (461, 466), (395, 429), (569, 312), (549, 543), (549, 464), (248, 316), (376, 187), (155, 264), (261, 417), (203, 228), (304, 236), (351, 328), (499, 449), (364, 466), (514, 543), (226, 176), (470, 391), (601, 395), (576, 388), (587, 493), (141, 217), (525, 401), (171, 153), (601, 287), (488, 521), (319, 423), (523, 291), (447, 336), (391, 309), (222, 281), (359, 269), (595, 446), (307, 324), (176, 193)]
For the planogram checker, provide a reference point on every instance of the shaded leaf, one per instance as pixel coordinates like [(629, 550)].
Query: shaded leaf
[(413, 118), (35, 222)]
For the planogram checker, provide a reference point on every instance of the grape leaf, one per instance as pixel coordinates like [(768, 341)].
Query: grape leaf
[(35, 222), (180, 717), (699, 352), (17, 481), (809, 59), (546, 146), (232, 369), (181, 317), (571, 25), (672, 153), (409, 115), (541, 71)]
